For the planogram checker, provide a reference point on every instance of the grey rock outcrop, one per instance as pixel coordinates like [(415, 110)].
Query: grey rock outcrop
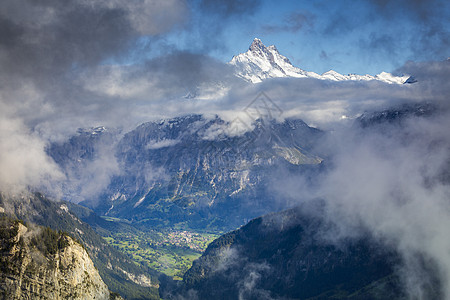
[(39, 263)]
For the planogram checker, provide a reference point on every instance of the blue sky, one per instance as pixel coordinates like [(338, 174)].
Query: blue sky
[(347, 36)]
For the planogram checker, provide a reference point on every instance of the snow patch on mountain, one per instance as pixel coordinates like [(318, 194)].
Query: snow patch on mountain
[(261, 62)]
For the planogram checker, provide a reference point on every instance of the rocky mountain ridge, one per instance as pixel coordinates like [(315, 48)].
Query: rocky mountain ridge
[(187, 168)]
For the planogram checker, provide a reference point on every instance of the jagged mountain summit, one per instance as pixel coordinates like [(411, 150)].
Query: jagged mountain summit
[(261, 62)]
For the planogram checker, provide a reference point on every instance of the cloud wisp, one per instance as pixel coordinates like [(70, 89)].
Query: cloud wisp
[(44, 46), (391, 180)]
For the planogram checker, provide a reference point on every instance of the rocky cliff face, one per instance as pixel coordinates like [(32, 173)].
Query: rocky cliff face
[(118, 271), (39, 263)]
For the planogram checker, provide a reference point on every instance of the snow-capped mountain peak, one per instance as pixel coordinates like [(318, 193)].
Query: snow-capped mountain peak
[(261, 62), (256, 45)]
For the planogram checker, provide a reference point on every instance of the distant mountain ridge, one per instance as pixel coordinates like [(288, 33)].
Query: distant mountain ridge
[(261, 62), (189, 169)]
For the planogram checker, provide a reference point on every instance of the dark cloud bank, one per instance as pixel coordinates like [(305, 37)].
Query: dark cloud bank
[(55, 77)]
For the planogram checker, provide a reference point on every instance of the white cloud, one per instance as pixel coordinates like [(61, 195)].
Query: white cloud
[(161, 144), (393, 183), (23, 162)]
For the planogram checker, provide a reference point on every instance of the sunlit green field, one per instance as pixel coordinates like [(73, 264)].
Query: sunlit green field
[(168, 251)]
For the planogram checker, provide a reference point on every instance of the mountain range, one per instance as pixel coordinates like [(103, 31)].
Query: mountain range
[(260, 63), (190, 170)]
